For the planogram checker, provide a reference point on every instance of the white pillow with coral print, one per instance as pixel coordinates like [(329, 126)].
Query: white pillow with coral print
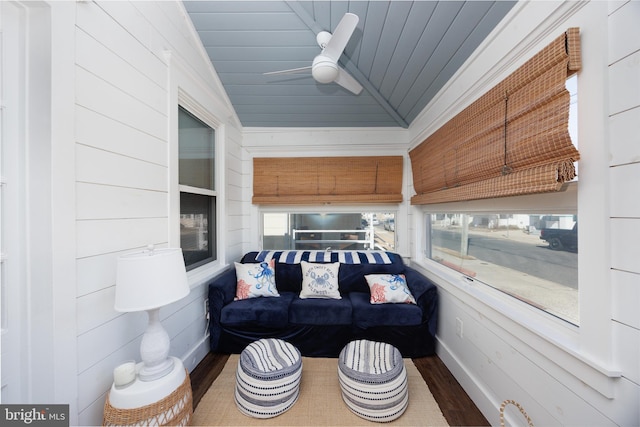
[(389, 288), (256, 280)]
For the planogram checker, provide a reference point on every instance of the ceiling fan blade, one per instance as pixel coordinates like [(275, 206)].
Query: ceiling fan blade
[(290, 71), (341, 36), (347, 81)]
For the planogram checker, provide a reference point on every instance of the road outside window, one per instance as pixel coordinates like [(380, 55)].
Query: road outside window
[(531, 257)]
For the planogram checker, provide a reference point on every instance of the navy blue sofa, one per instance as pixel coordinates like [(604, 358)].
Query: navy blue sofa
[(322, 327)]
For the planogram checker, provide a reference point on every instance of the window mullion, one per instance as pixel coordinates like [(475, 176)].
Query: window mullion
[(196, 190)]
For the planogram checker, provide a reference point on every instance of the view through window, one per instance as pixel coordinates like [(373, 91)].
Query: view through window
[(532, 257), (197, 190), (329, 231)]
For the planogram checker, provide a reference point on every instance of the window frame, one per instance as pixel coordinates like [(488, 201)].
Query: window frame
[(182, 98), (564, 202), (332, 209), (211, 194), (574, 348)]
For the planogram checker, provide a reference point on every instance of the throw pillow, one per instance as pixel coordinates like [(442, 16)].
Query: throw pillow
[(389, 288), (320, 280), (256, 280)]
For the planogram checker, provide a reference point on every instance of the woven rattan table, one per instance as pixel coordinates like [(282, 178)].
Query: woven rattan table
[(174, 409)]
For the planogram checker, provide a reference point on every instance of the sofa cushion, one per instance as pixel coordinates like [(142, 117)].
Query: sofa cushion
[(320, 311), (320, 280), (389, 288), (261, 311), (366, 315)]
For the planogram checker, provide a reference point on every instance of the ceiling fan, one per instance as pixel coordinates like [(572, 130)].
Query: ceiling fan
[(325, 68)]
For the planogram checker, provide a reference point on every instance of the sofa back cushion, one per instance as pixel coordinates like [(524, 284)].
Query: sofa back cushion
[(354, 265)]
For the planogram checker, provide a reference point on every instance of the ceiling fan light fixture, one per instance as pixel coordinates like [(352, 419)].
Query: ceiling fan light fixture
[(324, 70)]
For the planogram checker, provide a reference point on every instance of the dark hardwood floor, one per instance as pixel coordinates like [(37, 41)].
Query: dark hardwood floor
[(457, 407)]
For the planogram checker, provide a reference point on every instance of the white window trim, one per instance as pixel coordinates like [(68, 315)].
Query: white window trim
[(190, 92), (526, 324), (297, 209)]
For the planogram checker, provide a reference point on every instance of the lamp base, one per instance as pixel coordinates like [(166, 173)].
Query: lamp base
[(152, 373), (154, 349)]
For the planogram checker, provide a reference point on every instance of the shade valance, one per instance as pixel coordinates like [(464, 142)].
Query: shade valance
[(322, 180), (513, 140)]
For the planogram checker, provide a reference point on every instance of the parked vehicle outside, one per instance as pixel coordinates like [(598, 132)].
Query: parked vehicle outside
[(560, 239)]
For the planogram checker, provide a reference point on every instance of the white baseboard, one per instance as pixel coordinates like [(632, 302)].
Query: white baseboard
[(196, 354), (476, 390)]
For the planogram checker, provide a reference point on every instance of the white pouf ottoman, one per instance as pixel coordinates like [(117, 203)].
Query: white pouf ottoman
[(373, 380), (268, 378)]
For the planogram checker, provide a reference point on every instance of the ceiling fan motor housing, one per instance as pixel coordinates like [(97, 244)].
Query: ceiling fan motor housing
[(322, 38), (324, 70)]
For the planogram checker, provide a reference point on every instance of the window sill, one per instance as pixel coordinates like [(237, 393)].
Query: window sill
[(528, 329), (202, 274)]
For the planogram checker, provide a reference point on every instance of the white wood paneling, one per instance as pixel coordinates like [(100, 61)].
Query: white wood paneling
[(624, 84), (624, 182), (95, 58), (492, 358), (118, 137), (118, 37), (96, 272), (104, 167), (95, 309), (95, 381), (626, 298), (624, 137), (628, 338), (624, 31), (96, 201), (96, 237), (97, 343), (102, 97)]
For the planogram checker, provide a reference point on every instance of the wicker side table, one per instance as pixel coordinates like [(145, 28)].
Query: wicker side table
[(175, 409)]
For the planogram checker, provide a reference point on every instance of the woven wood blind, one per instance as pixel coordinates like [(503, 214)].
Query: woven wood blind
[(513, 140), (322, 180)]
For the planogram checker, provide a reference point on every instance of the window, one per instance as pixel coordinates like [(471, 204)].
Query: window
[(532, 257), (322, 231), (528, 254), (196, 142)]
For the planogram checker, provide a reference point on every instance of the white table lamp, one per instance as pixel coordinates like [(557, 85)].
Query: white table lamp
[(147, 281)]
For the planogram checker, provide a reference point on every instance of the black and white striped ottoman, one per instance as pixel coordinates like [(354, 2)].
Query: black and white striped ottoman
[(268, 378), (373, 380)]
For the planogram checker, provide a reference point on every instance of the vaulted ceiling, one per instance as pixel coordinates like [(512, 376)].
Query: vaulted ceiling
[(401, 53)]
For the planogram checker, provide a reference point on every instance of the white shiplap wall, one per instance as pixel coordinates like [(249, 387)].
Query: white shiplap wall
[(561, 375), (125, 84), (624, 174)]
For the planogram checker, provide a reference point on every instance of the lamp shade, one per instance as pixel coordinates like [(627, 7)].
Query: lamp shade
[(150, 279)]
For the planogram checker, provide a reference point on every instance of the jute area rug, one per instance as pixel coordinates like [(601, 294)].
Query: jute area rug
[(320, 402)]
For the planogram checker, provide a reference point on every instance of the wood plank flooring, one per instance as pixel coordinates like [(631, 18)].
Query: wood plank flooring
[(456, 406)]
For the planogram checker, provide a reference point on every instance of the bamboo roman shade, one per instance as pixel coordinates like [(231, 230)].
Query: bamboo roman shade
[(322, 180), (513, 140)]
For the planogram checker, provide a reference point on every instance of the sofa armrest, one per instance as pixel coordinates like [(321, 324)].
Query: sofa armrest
[(426, 294), (222, 290)]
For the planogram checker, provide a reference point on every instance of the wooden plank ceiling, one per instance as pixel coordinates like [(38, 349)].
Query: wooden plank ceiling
[(402, 53)]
